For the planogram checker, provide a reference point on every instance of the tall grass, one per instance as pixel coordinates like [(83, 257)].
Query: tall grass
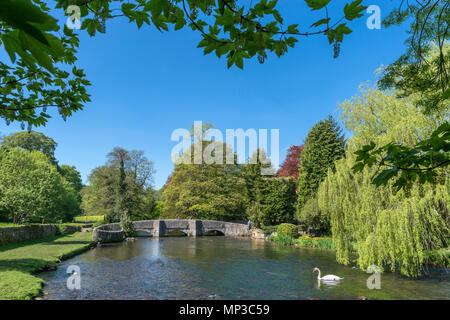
[(319, 242), (305, 242)]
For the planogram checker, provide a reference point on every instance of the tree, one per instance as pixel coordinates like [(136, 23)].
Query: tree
[(252, 172), (290, 166), (324, 145), (31, 189), (73, 178), (120, 187), (277, 201), (124, 199), (32, 140), (72, 175), (99, 196), (393, 229), (206, 191)]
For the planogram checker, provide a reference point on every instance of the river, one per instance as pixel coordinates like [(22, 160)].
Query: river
[(225, 268)]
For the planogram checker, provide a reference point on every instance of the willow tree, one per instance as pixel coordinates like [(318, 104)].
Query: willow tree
[(388, 228)]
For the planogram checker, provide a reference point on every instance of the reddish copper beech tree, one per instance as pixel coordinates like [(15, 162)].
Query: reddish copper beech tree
[(290, 166)]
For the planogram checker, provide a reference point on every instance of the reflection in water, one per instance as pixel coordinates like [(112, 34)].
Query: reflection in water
[(224, 268)]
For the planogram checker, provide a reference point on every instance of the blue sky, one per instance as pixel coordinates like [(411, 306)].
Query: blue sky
[(147, 84)]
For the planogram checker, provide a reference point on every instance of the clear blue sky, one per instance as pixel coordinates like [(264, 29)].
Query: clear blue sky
[(147, 83)]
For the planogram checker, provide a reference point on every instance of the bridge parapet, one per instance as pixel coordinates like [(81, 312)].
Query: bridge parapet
[(161, 228)]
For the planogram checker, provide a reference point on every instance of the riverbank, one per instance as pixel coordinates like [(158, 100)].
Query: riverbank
[(436, 258), (305, 242), (19, 261)]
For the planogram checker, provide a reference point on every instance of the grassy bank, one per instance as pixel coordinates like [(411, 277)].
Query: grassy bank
[(18, 262), (305, 242)]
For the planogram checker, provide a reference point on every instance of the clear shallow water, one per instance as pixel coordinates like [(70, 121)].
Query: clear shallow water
[(224, 268)]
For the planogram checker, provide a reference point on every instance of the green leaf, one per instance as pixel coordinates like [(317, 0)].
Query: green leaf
[(320, 22), (317, 4), (353, 10)]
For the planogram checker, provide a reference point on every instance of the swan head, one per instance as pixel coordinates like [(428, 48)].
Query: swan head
[(316, 269)]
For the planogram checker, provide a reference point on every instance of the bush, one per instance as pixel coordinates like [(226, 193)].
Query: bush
[(87, 219), (127, 226), (269, 229), (288, 229)]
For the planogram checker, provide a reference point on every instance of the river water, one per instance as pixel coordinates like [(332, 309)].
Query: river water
[(225, 268)]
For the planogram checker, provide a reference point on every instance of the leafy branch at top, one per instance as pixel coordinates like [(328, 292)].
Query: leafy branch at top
[(237, 31), (405, 164), (42, 74)]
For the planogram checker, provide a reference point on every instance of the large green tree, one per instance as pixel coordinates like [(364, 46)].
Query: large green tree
[(206, 191), (324, 145), (73, 177), (31, 189), (121, 187), (32, 140), (253, 173), (277, 201)]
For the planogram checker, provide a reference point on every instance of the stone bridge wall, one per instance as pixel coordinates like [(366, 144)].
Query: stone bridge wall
[(108, 233), (161, 228)]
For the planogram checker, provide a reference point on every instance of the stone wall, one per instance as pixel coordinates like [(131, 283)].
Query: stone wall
[(108, 233), (25, 233)]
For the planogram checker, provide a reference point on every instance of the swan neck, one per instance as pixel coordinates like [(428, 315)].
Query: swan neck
[(318, 276)]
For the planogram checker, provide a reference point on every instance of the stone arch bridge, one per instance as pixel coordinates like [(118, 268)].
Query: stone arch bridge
[(161, 228)]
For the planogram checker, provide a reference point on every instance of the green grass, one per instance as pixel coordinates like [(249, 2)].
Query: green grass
[(9, 224), (19, 260), (84, 219)]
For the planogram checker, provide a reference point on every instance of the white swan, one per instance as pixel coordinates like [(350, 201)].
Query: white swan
[(328, 277)]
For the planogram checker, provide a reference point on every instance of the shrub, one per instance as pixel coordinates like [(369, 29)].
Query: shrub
[(269, 229), (127, 226), (288, 229), (283, 240)]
